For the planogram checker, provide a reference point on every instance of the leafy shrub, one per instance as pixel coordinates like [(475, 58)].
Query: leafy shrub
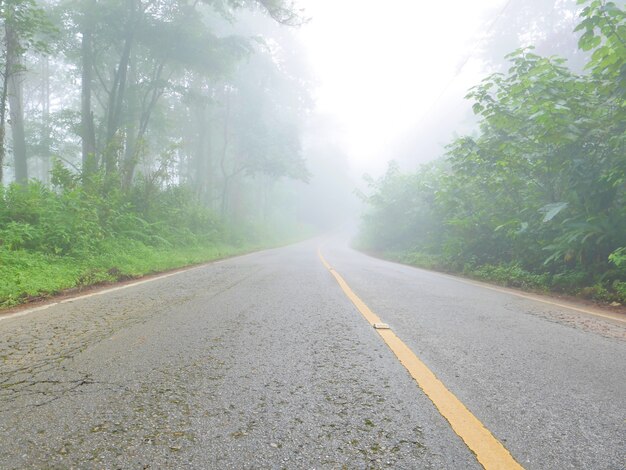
[(74, 220), (619, 287), (422, 260), (17, 235), (512, 276), (569, 281), (596, 292), (54, 239), (618, 257)]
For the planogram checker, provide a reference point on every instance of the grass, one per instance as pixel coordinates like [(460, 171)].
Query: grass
[(71, 235), (27, 275)]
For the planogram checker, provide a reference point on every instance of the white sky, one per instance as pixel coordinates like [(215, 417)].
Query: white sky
[(380, 66)]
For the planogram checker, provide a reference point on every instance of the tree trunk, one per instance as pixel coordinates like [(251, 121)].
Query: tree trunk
[(16, 110), (208, 163), (3, 107), (225, 175), (3, 101), (87, 127), (2, 151), (131, 150), (118, 94), (45, 116), (148, 104), (116, 102), (199, 153)]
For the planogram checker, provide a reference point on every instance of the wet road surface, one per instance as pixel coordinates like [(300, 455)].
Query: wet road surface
[(262, 361)]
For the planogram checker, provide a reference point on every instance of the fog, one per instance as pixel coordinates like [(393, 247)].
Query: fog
[(394, 78), (240, 156), (378, 74), (267, 114)]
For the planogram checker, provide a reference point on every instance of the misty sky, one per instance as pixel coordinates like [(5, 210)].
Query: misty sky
[(381, 68)]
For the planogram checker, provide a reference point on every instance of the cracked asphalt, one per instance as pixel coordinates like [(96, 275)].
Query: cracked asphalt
[(262, 362)]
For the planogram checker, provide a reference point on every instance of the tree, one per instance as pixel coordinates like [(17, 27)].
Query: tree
[(23, 23), (541, 186)]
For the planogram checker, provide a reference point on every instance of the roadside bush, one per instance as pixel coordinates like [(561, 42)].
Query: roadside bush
[(40, 219), (511, 276), (418, 259), (74, 220), (569, 281), (71, 235), (619, 287), (596, 292)]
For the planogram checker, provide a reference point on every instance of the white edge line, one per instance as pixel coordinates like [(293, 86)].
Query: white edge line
[(22, 313), (92, 294), (507, 290), (504, 290), (536, 298)]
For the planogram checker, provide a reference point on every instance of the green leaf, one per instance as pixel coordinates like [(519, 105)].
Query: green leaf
[(550, 211)]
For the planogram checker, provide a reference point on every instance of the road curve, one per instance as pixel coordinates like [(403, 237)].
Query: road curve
[(262, 361)]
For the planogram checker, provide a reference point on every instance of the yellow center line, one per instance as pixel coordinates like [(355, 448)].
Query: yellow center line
[(490, 452)]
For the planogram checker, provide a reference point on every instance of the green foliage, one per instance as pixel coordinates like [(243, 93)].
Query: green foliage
[(401, 210), (511, 276), (538, 198), (604, 26), (70, 219), (597, 292), (619, 287), (618, 257), (54, 239), (160, 113), (29, 275), (30, 23), (569, 281)]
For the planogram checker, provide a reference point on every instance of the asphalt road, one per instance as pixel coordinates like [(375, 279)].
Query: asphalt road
[(262, 361)]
